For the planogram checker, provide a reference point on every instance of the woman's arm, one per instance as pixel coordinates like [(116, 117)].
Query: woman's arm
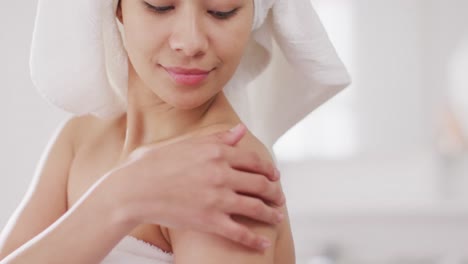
[(196, 247), (42, 231)]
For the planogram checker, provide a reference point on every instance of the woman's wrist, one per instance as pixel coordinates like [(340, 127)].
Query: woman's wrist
[(113, 204)]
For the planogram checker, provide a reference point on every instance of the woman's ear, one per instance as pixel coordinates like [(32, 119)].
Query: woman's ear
[(118, 12)]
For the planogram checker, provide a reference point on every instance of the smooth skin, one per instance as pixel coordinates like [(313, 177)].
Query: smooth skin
[(165, 172), (43, 222)]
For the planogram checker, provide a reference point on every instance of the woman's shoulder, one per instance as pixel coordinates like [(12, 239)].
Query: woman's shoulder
[(282, 252), (88, 127), (248, 142)]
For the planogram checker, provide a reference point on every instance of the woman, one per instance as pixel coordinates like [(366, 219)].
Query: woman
[(180, 56)]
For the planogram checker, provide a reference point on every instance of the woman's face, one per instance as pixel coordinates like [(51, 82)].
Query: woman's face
[(167, 39)]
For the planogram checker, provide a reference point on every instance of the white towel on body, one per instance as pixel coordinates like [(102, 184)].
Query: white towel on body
[(131, 250)]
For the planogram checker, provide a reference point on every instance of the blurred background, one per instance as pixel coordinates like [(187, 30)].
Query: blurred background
[(378, 174)]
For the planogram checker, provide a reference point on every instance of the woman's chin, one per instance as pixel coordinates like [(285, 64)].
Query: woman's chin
[(187, 102)]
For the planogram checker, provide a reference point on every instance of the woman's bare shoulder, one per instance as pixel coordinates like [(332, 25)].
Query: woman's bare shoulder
[(87, 127), (218, 248), (249, 141)]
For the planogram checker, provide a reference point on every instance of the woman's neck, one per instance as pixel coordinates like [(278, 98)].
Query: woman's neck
[(148, 122)]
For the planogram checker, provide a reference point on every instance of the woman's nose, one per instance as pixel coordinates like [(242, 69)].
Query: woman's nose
[(188, 36)]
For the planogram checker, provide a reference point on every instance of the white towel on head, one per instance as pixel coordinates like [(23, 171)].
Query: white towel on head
[(79, 63)]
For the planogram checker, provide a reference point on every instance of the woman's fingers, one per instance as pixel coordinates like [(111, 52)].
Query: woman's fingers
[(256, 185), (251, 161), (229, 137), (236, 232), (253, 208), (239, 158)]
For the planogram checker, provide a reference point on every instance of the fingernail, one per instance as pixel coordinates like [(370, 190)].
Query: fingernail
[(282, 200), (265, 244), (235, 129), (280, 217), (277, 173)]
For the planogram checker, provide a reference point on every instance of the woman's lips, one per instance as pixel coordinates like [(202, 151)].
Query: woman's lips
[(185, 76)]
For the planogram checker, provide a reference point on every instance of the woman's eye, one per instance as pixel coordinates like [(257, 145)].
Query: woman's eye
[(216, 14), (159, 9), (223, 15)]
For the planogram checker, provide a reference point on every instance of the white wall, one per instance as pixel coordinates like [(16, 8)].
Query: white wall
[(399, 196), (27, 120)]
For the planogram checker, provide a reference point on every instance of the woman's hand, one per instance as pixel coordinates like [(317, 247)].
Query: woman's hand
[(197, 184)]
